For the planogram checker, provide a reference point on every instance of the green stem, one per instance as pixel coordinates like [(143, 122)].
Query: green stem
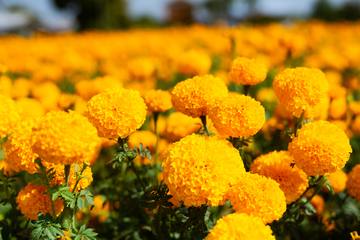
[(78, 177)]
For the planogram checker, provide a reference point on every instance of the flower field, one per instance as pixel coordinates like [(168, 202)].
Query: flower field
[(249, 132)]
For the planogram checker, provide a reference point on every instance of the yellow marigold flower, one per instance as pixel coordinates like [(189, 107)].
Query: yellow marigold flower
[(247, 71), (48, 94), (5, 86), (266, 95), (355, 107), (199, 169), (355, 126), (239, 226), (141, 68), (337, 180), (21, 88), (353, 182), (157, 100), (75, 170), (146, 138), (338, 108), (279, 166), (19, 155), (194, 62), (237, 115), (89, 88), (65, 138), (318, 203), (33, 199), (179, 125), (101, 209), (258, 196), (9, 115), (320, 148), (116, 113), (300, 89), (30, 108), (194, 96)]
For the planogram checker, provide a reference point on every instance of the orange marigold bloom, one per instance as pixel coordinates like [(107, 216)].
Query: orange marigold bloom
[(158, 100), (320, 148), (337, 180), (65, 138), (193, 62), (353, 182), (194, 96), (239, 226), (200, 169), (248, 71), (117, 112), (89, 88), (9, 115), (237, 116), (279, 166), (319, 204), (300, 89), (30, 108), (33, 199), (257, 196), (146, 138), (19, 155), (179, 125), (338, 108)]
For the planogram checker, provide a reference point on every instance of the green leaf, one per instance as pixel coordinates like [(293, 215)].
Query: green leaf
[(45, 228), (85, 234)]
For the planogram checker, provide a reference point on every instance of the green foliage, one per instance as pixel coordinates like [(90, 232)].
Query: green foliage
[(46, 228)]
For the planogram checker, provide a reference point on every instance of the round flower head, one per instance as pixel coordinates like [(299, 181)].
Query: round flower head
[(158, 100), (318, 203), (30, 108), (199, 169), (353, 182), (33, 199), (240, 226), (320, 147), (194, 96), (65, 138), (247, 71), (237, 116), (337, 180), (279, 166), (19, 155), (300, 89), (117, 112), (193, 62), (258, 196), (146, 138), (9, 115), (179, 125)]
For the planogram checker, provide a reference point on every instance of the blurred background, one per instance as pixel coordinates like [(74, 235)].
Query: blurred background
[(25, 16)]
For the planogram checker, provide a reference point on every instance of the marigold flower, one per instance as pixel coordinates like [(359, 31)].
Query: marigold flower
[(353, 182), (318, 203), (239, 226), (19, 155), (21, 88), (199, 169), (237, 116), (65, 138), (100, 209), (9, 115), (179, 125), (146, 138), (89, 88), (338, 108), (48, 94), (247, 71), (116, 113), (355, 126), (193, 62), (337, 180), (279, 166), (33, 199), (30, 108), (257, 196), (300, 89), (157, 100), (320, 148), (194, 96)]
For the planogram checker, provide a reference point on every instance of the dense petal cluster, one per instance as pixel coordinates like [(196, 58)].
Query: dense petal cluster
[(193, 62), (33, 199), (237, 115), (144, 137), (258, 196), (337, 180), (279, 166), (19, 155), (300, 89), (194, 96), (320, 147), (157, 100), (199, 169), (117, 112), (239, 226), (179, 125), (9, 115), (65, 138), (248, 71), (353, 182)]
